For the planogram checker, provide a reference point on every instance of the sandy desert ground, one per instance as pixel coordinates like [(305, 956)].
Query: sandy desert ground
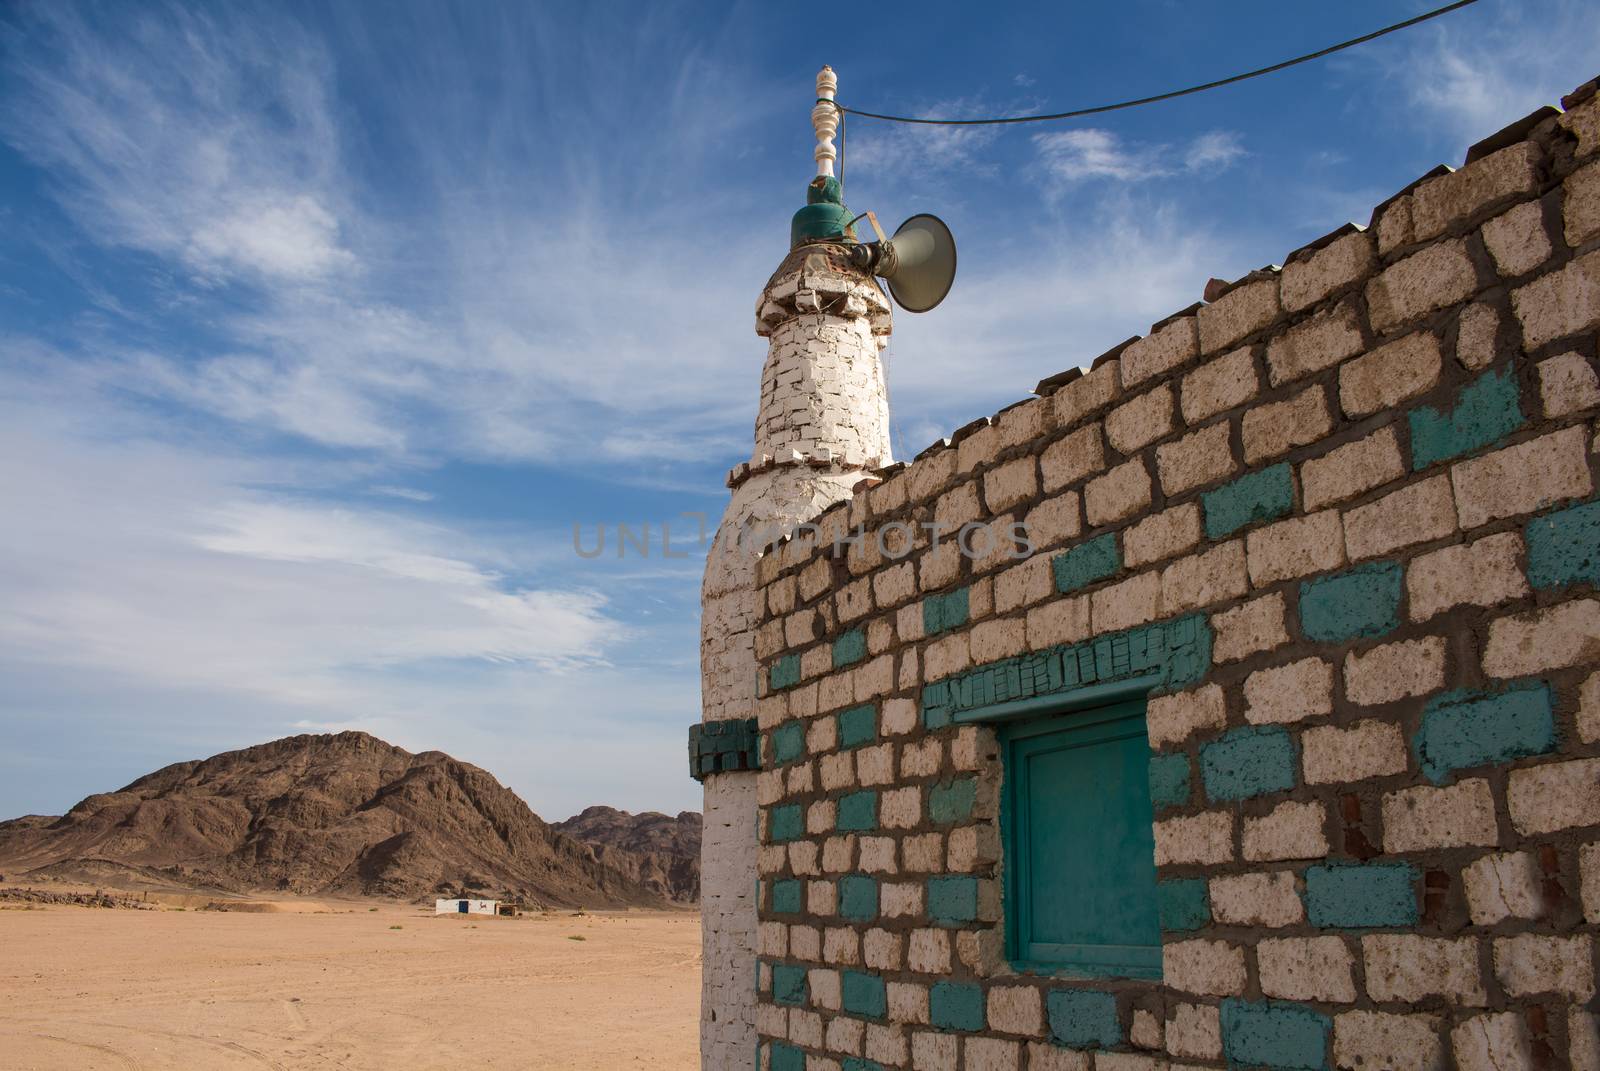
[(339, 985)]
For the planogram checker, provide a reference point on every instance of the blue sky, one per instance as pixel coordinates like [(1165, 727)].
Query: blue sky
[(321, 325)]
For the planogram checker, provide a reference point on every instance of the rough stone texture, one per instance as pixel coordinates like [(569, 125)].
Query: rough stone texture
[(1530, 964), (1338, 264), (1194, 1031), (1162, 535), (1258, 899), (1271, 430), (1483, 573), (1417, 819), (1565, 302), (1215, 576), (1195, 460), (1120, 493), (1137, 423), (1439, 202), (1477, 329), (1517, 241), (1295, 548), (1433, 278), (1394, 671), (1388, 375), (1368, 1039), (1202, 838), (1496, 1042), (1555, 796), (1080, 454), (1289, 831), (1248, 629), (1307, 968), (1502, 886), (1172, 719), (1409, 968), (1522, 644), (1580, 205), (1522, 478), (1417, 513), (1208, 968), (1228, 381), (1237, 313), (1567, 385), (1171, 346), (1289, 693), (1351, 469), (1320, 342), (1333, 755)]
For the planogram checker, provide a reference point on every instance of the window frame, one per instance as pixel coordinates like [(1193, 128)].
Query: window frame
[(1119, 708)]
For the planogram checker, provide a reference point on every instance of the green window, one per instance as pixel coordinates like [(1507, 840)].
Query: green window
[(1080, 856)]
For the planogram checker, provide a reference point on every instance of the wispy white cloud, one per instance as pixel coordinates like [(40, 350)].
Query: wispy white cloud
[(410, 494), (1071, 157), (1213, 151), (1495, 64)]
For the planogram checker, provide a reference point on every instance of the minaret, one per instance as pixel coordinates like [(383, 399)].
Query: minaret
[(824, 418)]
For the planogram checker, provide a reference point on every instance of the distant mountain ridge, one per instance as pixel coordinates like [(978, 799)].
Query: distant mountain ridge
[(660, 852), (331, 814)]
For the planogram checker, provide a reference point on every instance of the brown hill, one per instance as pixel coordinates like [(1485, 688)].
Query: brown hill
[(341, 813), (659, 852)]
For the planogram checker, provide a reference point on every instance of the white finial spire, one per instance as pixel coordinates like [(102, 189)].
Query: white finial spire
[(825, 120)]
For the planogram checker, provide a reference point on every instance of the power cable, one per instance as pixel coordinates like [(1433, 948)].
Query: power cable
[(1308, 57)]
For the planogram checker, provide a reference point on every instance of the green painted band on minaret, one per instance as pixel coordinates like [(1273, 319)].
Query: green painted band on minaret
[(824, 218)]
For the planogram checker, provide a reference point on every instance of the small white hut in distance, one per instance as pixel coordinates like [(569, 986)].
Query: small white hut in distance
[(467, 907)]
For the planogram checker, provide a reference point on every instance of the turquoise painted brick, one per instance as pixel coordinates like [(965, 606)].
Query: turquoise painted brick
[(952, 900), (1083, 1018), (1248, 762), (941, 613), (788, 984), (864, 994), (1169, 779), (1092, 560), (785, 672), (785, 823), (1356, 896), (955, 1006), (1485, 411), (1183, 904), (786, 1058), (1364, 601), (858, 898), (1564, 547), (849, 648), (858, 725), (952, 802), (1463, 729), (858, 812), (1260, 496), (788, 742), (1274, 1034), (786, 897), (856, 1063)]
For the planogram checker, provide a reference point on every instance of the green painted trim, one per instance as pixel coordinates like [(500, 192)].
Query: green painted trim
[(1095, 695), (723, 746), (1177, 651), (1085, 725)]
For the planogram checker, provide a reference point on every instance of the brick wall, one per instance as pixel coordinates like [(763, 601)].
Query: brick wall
[(1346, 508)]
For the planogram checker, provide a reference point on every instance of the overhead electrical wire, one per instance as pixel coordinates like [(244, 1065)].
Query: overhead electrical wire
[(1308, 57)]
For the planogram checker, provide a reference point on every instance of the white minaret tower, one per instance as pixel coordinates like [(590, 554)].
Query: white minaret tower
[(824, 418)]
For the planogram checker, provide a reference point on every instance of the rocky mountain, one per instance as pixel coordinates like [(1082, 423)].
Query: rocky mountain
[(341, 813), (659, 852)]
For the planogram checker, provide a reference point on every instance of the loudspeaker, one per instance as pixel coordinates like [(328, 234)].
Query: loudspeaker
[(918, 263)]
